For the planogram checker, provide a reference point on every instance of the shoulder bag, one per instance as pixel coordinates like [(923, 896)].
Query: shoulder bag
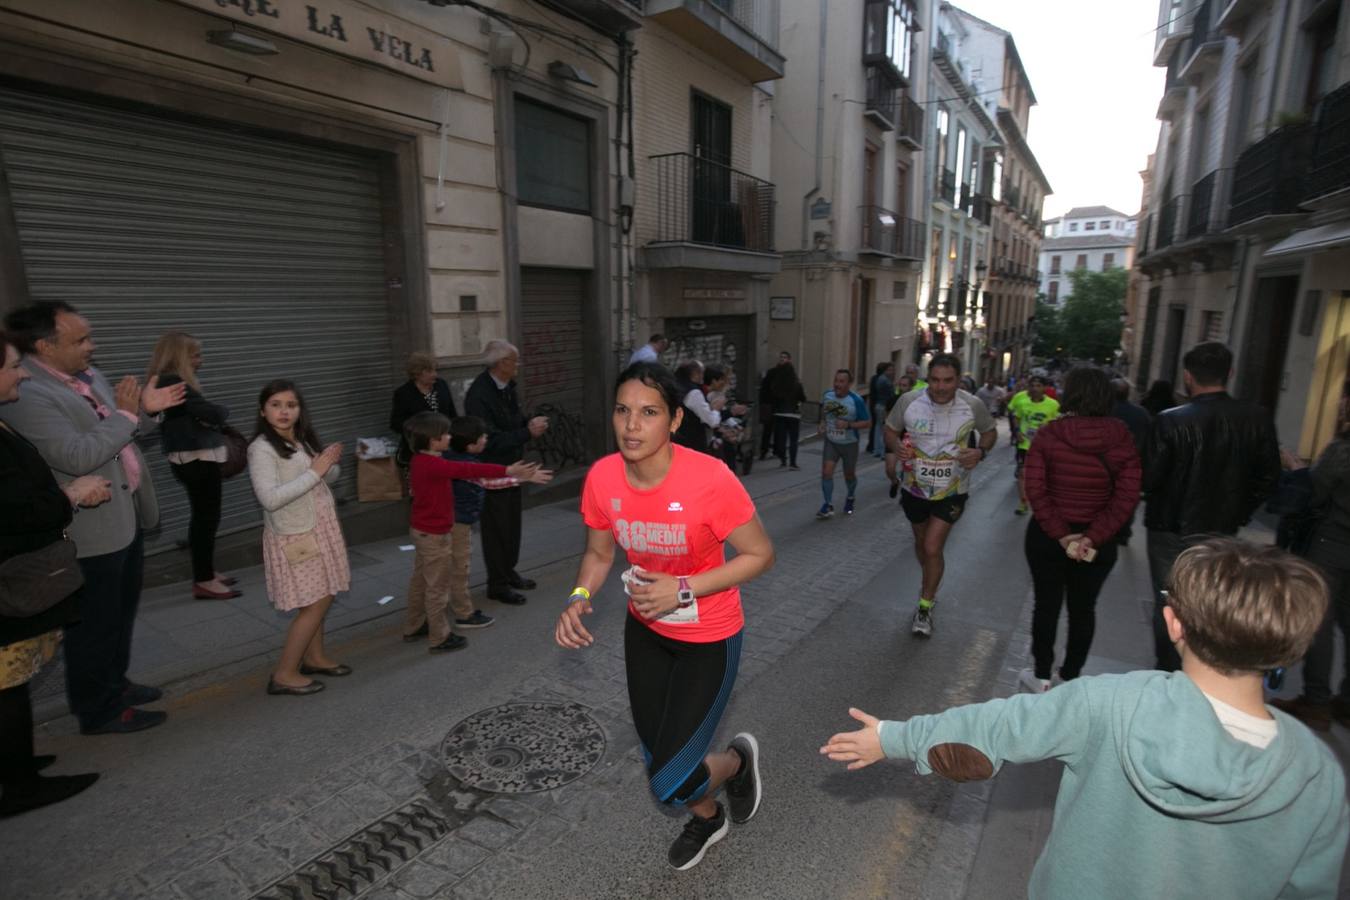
[(236, 452), (34, 582)]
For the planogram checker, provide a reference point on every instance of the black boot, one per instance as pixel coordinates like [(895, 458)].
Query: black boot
[(37, 791)]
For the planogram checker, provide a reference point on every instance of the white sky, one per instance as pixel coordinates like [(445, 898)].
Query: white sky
[(1091, 66)]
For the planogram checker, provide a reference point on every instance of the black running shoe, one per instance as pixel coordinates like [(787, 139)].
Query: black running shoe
[(743, 788), (895, 489), (699, 834)]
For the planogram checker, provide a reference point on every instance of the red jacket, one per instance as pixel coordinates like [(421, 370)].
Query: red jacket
[(433, 499), (1067, 478)]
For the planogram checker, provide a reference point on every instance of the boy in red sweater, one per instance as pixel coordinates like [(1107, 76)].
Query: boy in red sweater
[(433, 518)]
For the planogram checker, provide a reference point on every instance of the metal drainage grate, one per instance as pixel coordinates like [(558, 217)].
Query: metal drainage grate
[(361, 860), (521, 748)]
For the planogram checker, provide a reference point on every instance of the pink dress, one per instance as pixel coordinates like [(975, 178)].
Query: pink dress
[(294, 586)]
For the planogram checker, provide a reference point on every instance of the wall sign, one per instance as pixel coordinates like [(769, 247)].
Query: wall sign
[(714, 293), (350, 30), (783, 308)]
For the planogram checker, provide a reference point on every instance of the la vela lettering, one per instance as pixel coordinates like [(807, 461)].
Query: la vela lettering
[(351, 29), (400, 49)]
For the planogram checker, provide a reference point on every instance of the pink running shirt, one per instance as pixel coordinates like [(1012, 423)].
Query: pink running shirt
[(677, 528)]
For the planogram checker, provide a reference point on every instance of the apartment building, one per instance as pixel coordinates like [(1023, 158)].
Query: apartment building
[(1013, 193), (849, 127), (1248, 234), (703, 223), (316, 189), (1092, 238), (951, 315)]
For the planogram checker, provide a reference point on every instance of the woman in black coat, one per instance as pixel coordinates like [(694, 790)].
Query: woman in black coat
[(34, 512), (424, 391), (191, 439)]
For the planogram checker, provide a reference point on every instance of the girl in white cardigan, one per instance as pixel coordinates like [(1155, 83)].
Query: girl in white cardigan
[(304, 555)]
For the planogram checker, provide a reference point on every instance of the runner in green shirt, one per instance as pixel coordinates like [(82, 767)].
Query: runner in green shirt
[(1027, 412)]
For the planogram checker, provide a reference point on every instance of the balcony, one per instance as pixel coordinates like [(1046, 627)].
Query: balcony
[(1011, 196), (947, 187), (710, 216), (1270, 177), (1141, 246), (983, 209), (882, 100), (1233, 13), (1203, 50), (966, 199), (1207, 217), (742, 34), (1329, 172), (1174, 90), (910, 130), (1168, 217), (1172, 31), (608, 15), (886, 234), (888, 39)]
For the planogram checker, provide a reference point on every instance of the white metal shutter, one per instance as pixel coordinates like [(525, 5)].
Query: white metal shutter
[(268, 250)]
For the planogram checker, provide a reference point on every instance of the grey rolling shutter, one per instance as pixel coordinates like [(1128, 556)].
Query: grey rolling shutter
[(553, 348), (268, 250)]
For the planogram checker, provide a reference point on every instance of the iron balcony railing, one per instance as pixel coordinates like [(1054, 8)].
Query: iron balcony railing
[(1330, 167), (910, 126), (760, 17), (948, 186), (1204, 216), (1168, 217), (1200, 25), (703, 202), (1141, 245), (886, 233), (966, 201), (1270, 177), (983, 209), (882, 98)]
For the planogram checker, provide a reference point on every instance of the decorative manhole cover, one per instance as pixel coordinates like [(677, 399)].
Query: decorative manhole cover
[(521, 748)]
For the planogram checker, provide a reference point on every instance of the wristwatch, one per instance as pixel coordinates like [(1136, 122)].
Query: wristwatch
[(686, 593)]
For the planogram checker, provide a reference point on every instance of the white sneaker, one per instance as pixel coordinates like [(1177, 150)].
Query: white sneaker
[(1028, 683), (922, 623)]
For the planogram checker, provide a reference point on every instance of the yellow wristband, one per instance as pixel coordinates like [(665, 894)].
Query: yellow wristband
[(578, 591)]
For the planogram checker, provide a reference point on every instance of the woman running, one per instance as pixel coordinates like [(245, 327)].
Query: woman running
[(672, 510)]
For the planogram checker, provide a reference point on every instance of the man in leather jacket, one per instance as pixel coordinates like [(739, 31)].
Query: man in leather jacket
[(1208, 465)]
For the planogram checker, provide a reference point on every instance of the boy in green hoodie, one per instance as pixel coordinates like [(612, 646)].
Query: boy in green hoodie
[(1176, 784)]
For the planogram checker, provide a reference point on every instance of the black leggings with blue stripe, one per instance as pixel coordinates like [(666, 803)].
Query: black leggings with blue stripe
[(678, 691)]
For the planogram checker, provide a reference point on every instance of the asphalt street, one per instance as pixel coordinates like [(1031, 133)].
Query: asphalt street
[(351, 792)]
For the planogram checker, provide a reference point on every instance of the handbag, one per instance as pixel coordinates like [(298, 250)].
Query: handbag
[(303, 550), (34, 582), (236, 452)]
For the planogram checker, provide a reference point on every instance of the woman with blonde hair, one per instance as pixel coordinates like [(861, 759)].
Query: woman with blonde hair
[(195, 447), (424, 391)]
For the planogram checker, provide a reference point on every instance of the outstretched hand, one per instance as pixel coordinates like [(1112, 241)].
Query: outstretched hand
[(858, 748), (156, 399)]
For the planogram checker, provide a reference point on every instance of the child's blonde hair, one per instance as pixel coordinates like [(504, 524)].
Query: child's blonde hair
[(173, 356), (1246, 608)]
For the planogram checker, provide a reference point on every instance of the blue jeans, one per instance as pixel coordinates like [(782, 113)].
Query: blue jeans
[(98, 647)]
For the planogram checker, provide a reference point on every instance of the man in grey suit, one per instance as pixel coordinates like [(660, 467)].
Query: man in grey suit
[(83, 426)]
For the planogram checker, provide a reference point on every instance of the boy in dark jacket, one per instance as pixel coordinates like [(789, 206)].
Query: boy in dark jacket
[(468, 438)]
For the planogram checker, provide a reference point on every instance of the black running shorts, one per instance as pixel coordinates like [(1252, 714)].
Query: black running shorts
[(918, 509)]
